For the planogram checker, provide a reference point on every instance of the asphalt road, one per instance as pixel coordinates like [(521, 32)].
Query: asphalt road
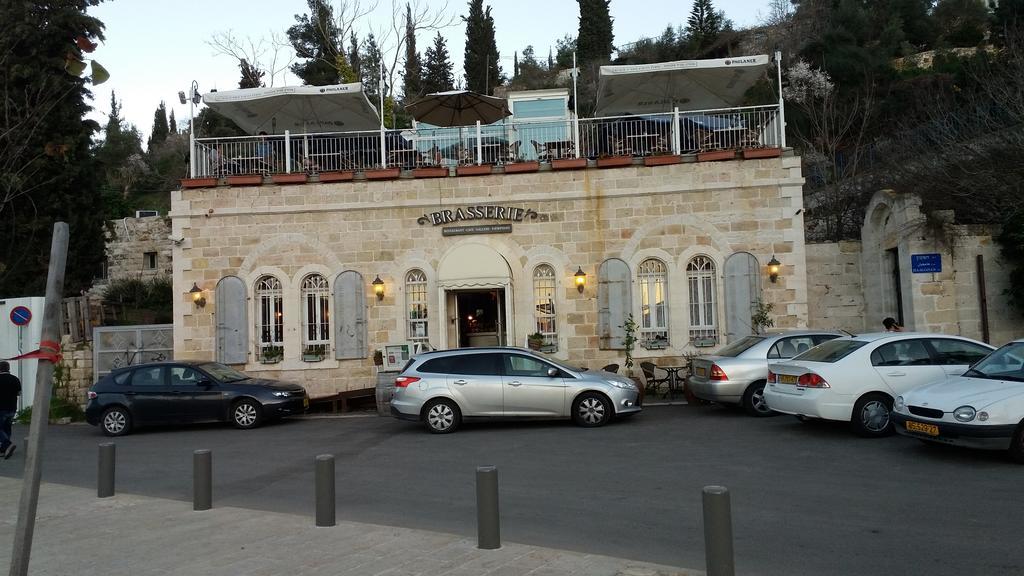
[(808, 498)]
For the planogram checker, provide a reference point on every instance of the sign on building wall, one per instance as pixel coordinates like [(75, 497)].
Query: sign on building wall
[(925, 263)]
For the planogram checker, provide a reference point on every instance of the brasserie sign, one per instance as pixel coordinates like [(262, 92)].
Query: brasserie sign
[(509, 213)]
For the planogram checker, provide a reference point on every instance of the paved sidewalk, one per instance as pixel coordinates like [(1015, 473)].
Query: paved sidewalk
[(78, 533)]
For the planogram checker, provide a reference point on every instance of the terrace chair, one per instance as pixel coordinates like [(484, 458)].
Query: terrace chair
[(654, 382), (620, 147), (613, 368), (513, 152), (543, 154)]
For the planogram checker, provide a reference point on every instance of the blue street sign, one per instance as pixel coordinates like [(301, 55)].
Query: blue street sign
[(21, 315), (925, 263)]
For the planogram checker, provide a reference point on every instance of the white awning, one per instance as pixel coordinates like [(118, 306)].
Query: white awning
[(687, 84), (473, 266), (335, 108)]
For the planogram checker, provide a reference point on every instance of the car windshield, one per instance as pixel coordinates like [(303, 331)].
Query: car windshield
[(740, 346), (1006, 363), (831, 351), (223, 373)]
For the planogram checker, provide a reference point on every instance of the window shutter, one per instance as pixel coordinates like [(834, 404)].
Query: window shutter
[(232, 325), (613, 301), (742, 289), (350, 316)]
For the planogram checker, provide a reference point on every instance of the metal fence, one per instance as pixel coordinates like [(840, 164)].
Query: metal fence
[(676, 132), (119, 346)]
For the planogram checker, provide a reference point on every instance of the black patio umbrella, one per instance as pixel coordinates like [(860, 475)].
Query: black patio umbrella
[(458, 108)]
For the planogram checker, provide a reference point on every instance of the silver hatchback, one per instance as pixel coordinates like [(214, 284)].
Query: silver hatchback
[(443, 388), (736, 375)]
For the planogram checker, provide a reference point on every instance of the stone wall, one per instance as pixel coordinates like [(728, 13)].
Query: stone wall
[(77, 360), (835, 292), (586, 216), (129, 239)]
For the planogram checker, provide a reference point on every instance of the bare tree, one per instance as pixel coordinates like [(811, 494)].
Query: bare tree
[(270, 54), (392, 36)]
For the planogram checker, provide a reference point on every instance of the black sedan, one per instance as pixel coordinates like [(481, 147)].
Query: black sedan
[(183, 392)]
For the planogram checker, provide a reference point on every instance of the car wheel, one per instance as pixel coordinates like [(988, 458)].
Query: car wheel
[(591, 410), (872, 416), (442, 416), (246, 413), (1016, 450), (753, 400), (116, 421)]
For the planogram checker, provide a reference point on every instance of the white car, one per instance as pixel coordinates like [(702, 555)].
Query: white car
[(857, 379), (983, 408)]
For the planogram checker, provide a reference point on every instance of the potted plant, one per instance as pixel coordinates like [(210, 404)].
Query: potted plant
[(378, 358), (271, 354), (629, 343), (535, 341), (314, 353), (760, 319)]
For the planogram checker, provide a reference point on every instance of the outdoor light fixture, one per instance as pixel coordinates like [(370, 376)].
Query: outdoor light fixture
[(378, 287), (197, 296), (581, 279), (773, 269)]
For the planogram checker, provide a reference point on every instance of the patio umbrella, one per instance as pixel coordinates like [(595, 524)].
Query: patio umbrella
[(458, 108), (341, 107)]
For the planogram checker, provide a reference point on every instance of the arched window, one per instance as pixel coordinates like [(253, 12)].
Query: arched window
[(700, 277), (652, 277), (544, 302), (316, 316), (269, 319), (416, 304)]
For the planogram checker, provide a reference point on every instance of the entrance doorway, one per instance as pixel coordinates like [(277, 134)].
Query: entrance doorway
[(480, 318), (894, 292)]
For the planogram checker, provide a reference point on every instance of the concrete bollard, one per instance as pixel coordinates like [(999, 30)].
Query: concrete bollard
[(105, 470), (202, 480), (718, 531), (325, 503), (488, 520)]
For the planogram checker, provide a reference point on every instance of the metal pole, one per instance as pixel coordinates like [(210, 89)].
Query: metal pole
[(325, 502), (782, 107), (105, 471), (677, 141), (202, 480), (287, 152), (192, 130), (383, 152), (575, 109), (718, 531), (488, 522), (25, 528), (479, 145), (983, 299)]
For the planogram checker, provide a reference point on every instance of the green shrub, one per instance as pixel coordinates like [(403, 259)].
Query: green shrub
[(59, 408)]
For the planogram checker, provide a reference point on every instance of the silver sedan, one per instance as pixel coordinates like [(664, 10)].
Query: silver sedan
[(443, 388), (736, 375)]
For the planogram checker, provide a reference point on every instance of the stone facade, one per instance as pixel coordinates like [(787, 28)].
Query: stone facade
[(835, 292), (129, 240), (584, 217), (77, 361)]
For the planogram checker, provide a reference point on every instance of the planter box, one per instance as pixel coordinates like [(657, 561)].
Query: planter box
[(273, 360), (716, 155), (430, 173), (336, 176), (312, 358), (473, 170), (549, 348), (750, 153), (198, 182), (518, 167), (568, 163), (614, 161), (288, 178), (663, 160), (659, 345), (383, 174), (245, 180)]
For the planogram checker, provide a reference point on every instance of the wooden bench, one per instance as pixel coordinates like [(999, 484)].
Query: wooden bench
[(343, 398)]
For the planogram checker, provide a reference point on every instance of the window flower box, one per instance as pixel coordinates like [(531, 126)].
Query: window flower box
[(518, 167), (314, 353), (336, 176), (245, 180), (663, 160), (549, 348), (481, 170), (271, 354), (614, 161), (298, 178), (198, 182), (657, 344), (750, 153), (716, 155), (430, 172), (383, 174), (568, 163)]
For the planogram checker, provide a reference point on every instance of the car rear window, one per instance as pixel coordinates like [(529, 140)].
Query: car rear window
[(740, 346), (441, 365), (831, 351)]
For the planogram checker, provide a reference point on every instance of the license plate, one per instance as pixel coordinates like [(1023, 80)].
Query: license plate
[(929, 429), (702, 372), (787, 379), (305, 402)]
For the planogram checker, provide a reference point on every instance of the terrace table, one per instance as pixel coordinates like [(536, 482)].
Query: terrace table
[(673, 378)]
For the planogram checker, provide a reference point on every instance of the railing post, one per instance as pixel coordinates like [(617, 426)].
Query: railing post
[(576, 135), (488, 524), (105, 471), (287, 152), (191, 154), (325, 502), (677, 146), (383, 149), (479, 145), (718, 531), (782, 106), (202, 480)]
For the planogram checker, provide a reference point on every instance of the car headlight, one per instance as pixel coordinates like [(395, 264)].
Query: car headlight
[(623, 385), (280, 394), (899, 404), (964, 413)]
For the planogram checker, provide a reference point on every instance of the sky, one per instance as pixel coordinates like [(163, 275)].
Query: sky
[(153, 50)]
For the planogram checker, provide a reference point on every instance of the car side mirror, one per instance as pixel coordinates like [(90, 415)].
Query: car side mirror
[(552, 372)]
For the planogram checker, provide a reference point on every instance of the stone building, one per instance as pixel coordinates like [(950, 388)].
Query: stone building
[(303, 282), (138, 248)]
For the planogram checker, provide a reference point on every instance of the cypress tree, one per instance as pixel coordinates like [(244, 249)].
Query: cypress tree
[(594, 42), (315, 38), (412, 80), (483, 71), (160, 128), (437, 68), (173, 124), (353, 56), (703, 25), (369, 68)]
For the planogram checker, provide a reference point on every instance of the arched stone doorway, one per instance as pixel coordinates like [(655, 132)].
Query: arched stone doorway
[(475, 289)]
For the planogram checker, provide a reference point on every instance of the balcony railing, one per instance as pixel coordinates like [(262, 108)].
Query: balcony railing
[(676, 132)]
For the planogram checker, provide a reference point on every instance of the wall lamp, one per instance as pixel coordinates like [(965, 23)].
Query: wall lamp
[(581, 279), (197, 296), (773, 269), (378, 287)]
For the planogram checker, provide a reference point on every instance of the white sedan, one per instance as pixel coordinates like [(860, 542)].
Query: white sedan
[(984, 408), (857, 379)]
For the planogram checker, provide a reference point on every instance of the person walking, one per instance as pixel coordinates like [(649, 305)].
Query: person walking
[(10, 389), (891, 325)]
